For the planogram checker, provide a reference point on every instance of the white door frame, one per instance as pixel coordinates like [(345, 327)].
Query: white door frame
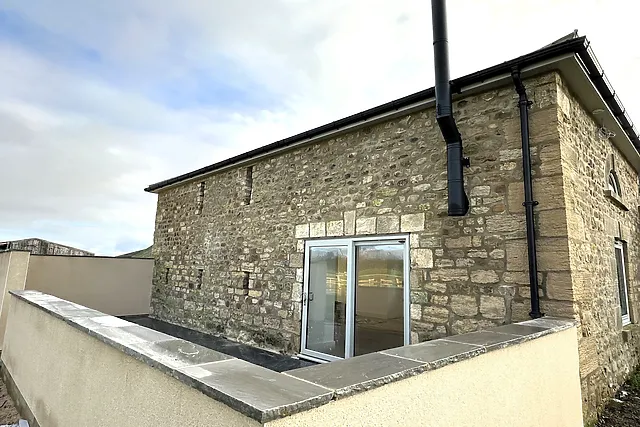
[(350, 244)]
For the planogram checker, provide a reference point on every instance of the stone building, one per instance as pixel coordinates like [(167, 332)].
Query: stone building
[(43, 247), (336, 242)]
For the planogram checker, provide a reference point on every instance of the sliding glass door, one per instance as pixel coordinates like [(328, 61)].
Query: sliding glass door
[(355, 297), (379, 297), (326, 301)]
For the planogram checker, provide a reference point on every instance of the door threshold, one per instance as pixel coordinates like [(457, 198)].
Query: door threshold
[(312, 359)]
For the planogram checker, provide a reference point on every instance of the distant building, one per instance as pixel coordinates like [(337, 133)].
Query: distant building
[(43, 247)]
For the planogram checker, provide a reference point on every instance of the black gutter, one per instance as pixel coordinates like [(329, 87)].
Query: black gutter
[(524, 104), (577, 45), (458, 200), (283, 143)]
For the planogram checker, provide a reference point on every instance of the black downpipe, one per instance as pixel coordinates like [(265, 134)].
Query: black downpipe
[(524, 104), (458, 201)]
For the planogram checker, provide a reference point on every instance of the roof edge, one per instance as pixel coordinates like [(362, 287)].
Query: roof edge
[(575, 45)]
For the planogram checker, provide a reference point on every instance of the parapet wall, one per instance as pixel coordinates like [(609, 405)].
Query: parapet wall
[(67, 364), (117, 286)]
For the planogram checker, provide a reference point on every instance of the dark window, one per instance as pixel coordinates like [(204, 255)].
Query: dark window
[(199, 278), (245, 283), (200, 198), (166, 276), (248, 186), (614, 184), (622, 283)]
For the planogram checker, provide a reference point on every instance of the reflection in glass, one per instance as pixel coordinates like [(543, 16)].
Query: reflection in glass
[(379, 322), (326, 315), (622, 285)]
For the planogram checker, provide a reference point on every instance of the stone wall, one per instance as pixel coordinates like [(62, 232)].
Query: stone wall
[(608, 352), (232, 265), (229, 248)]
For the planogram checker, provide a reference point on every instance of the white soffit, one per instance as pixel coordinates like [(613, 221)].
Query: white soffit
[(576, 78)]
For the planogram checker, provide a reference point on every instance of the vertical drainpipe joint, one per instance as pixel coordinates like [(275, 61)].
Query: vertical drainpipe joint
[(458, 202), (524, 104), (520, 89)]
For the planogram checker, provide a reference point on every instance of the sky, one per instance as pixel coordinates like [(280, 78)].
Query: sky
[(100, 99)]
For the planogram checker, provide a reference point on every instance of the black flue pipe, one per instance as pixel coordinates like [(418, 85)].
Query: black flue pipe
[(458, 201), (524, 104)]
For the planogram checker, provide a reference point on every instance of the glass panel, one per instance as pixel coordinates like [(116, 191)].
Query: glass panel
[(622, 282), (326, 300), (379, 322), (613, 186)]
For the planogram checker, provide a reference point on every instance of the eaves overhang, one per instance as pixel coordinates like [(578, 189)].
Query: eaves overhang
[(573, 58)]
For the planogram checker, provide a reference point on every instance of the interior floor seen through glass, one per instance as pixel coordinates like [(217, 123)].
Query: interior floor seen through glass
[(379, 298)]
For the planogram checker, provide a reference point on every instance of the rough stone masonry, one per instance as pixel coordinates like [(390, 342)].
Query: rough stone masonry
[(229, 247)]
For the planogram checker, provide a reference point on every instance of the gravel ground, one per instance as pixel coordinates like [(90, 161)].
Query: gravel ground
[(624, 409), (8, 413)]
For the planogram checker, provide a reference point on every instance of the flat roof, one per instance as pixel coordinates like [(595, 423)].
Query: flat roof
[(569, 45)]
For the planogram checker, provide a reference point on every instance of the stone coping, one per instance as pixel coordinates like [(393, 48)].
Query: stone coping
[(265, 395)]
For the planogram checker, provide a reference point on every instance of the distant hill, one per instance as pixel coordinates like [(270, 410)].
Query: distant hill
[(142, 253)]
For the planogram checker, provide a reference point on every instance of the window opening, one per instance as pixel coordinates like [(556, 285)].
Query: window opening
[(614, 184), (245, 283), (248, 186), (623, 288), (200, 198), (199, 278)]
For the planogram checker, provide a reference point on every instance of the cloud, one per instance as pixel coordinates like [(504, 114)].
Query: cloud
[(101, 99)]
